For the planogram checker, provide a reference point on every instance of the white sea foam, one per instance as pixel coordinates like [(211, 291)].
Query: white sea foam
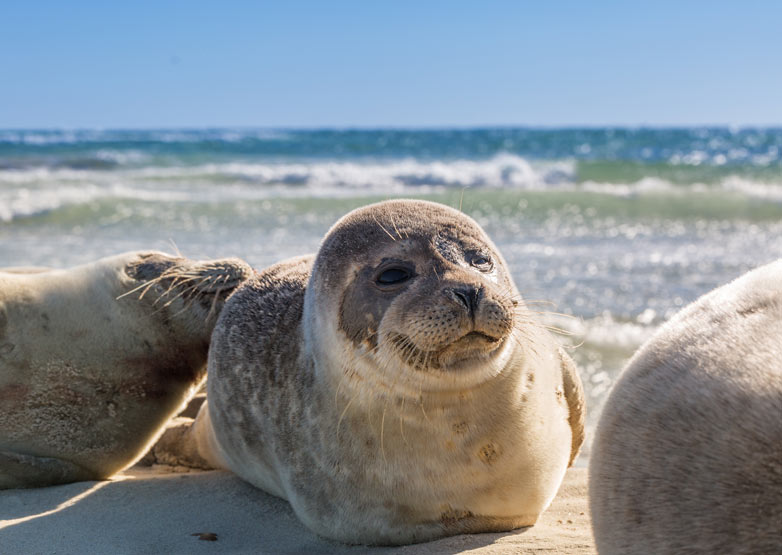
[(768, 191), (121, 156), (327, 177), (503, 171), (30, 191), (605, 332), (22, 202), (43, 175), (49, 188), (647, 185)]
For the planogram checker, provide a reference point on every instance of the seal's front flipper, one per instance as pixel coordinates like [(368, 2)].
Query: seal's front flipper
[(177, 447), (28, 471), (574, 394)]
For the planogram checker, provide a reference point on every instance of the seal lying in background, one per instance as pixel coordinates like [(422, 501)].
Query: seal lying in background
[(95, 359), (688, 452), (395, 388)]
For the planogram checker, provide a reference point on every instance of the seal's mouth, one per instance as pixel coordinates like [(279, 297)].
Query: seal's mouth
[(479, 336), (472, 347)]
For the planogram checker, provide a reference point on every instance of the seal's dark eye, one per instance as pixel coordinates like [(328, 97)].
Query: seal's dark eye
[(393, 276), (482, 262)]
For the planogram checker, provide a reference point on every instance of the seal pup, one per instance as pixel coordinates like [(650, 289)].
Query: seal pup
[(394, 388), (687, 456), (95, 359)]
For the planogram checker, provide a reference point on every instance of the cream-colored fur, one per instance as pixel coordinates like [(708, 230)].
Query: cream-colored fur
[(95, 359), (688, 451), (385, 414)]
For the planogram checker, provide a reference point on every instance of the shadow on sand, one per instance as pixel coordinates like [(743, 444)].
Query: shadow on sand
[(147, 511)]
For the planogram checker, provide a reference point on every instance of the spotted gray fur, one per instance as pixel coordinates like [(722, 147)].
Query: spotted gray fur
[(474, 437)]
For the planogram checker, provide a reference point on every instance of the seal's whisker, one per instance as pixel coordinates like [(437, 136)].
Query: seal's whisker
[(183, 309), (149, 283), (369, 417), (177, 280), (373, 351), (545, 312), (341, 379), (423, 410), (205, 280), (393, 223), (175, 247), (384, 229), (424, 364), (553, 328), (509, 294), (193, 288), (540, 301), (518, 341), (148, 287), (336, 389), (160, 309), (180, 279), (345, 411), (382, 429), (174, 298), (384, 368), (559, 331), (214, 302), (187, 306), (412, 354), (174, 283), (421, 402), (402, 422)]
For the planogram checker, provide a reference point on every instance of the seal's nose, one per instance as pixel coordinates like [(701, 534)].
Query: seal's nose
[(468, 295)]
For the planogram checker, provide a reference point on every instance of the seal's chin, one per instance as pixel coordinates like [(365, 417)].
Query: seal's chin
[(469, 350)]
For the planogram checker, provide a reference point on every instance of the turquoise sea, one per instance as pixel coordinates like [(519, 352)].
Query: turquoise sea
[(610, 231)]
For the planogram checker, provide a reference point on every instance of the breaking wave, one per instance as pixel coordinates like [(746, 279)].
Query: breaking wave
[(28, 192)]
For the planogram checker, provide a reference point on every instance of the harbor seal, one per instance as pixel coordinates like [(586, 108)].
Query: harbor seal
[(687, 456), (95, 359), (394, 388)]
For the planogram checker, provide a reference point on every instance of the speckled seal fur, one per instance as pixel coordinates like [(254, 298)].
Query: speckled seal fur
[(394, 388), (688, 451), (95, 359)]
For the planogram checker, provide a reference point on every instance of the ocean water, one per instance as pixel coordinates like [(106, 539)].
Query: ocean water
[(608, 231)]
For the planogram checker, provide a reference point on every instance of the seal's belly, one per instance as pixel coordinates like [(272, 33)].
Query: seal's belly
[(73, 386), (499, 480)]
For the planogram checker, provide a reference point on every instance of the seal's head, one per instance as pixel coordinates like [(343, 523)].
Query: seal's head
[(191, 291), (415, 290)]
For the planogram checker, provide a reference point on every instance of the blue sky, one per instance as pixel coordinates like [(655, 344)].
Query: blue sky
[(400, 63)]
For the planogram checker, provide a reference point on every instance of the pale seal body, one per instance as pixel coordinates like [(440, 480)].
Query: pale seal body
[(95, 359), (395, 388), (688, 451)]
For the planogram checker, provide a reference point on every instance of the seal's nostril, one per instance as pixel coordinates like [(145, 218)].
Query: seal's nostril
[(463, 298), (467, 295)]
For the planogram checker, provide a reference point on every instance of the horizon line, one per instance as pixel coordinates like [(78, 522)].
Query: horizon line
[(454, 127)]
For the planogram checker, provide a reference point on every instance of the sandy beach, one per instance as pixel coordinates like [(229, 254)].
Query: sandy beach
[(154, 510)]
